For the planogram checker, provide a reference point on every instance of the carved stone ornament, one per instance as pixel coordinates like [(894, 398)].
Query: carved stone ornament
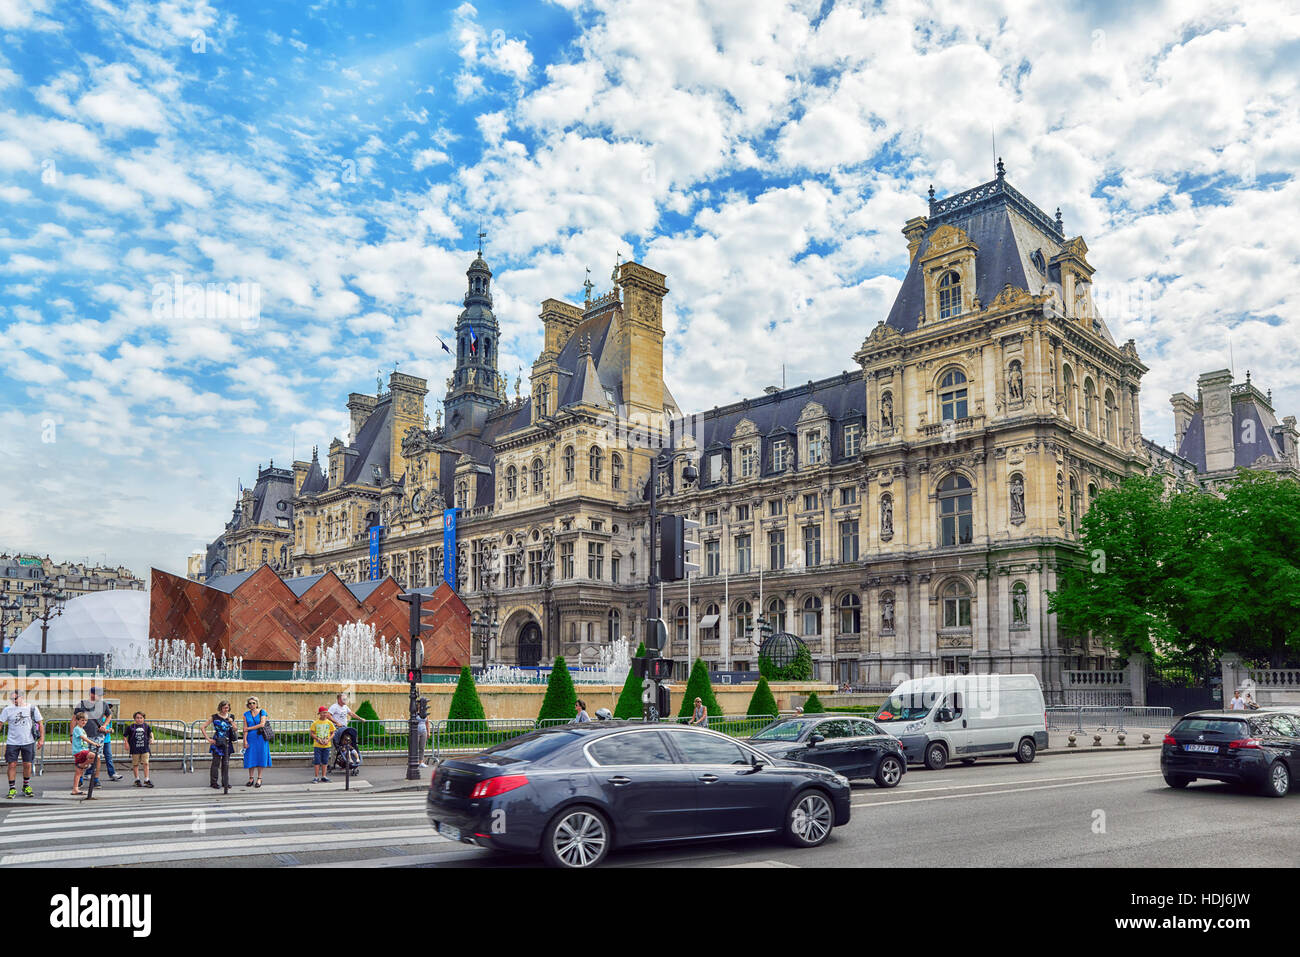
[(1009, 296), (946, 237)]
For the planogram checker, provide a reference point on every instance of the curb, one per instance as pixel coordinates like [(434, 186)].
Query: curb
[(1093, 749)]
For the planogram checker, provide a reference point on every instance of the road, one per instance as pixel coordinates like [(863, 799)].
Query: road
[(1102, 810)]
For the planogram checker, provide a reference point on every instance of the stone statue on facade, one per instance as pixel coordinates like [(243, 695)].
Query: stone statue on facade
[(1017, 501), (886, 517), (1015, 383), (1020, 607), (887, 613), (887, 412)]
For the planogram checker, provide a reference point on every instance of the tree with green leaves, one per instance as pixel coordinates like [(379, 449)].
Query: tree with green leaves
[(629, 699), (814, 705), (560, 696), (762, 704), (465, 704), (800, 669), (699, 686)]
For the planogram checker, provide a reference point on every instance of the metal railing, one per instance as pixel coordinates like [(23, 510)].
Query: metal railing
[(171, 742), (1106, 718)]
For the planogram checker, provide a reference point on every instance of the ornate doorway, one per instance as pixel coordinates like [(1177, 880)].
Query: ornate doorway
[(530, 645)]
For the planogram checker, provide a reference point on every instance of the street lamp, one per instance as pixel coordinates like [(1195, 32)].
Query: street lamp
[(485, 628), (54, 600), (9, 611)]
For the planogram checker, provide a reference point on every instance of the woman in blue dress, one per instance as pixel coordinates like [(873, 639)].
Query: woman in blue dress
[(257, 750)]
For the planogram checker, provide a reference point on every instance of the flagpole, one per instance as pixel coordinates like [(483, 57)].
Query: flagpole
[(726, 613)]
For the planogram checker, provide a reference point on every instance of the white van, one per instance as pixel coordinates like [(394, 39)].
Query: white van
[(962, 717)]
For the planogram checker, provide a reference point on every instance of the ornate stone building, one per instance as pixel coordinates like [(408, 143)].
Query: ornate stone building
[(24, 578), (906, 516)]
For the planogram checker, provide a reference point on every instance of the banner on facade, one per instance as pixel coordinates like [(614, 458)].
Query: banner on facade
[(375, 533), (449, 546)]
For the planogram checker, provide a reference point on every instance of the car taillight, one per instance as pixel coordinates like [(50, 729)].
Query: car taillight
[(499, 785), (1244, 743), (1169, 739)]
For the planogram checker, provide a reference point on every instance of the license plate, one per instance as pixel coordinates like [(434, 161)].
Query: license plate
[(449, 832), (1204, 748)]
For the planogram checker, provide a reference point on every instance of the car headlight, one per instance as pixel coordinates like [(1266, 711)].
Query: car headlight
[(841, 780)]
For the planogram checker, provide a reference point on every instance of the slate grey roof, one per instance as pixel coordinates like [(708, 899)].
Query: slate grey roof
[(1006, 228), (314, 481), (372, 444), (1244, 409), (228, 583)]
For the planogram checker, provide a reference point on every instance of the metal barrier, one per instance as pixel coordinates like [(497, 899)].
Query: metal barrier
[(171, 742), (1106, 718)]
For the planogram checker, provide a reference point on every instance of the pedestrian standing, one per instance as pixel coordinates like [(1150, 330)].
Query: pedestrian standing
[(84, 760), (580, 707), (1237, 704), (700, 715), (322, 730), (25, 733), (257, 749), (220, 743), (139, 736), (422, 734), (99, 717), (1251, 703)]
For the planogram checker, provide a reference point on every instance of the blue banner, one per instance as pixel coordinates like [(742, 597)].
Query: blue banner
[(449, 546), (374, 552)]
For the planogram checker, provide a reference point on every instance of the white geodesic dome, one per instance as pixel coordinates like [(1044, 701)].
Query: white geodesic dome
[(96, 624)]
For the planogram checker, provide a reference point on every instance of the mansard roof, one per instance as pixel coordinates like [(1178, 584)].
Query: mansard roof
[(1007, 229), (1247, 406)]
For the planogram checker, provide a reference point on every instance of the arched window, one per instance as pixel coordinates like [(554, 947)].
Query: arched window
[(487, 349), (616, 470), (850, 614), (512, 480), (955, 518), (949, 295), (744, 620), (543, 399), (615, 625), (596, 459), (1110, 435), (952, 396), (956, 605), (776, 614), (570, 458), (1067, 386), (462, 494), (812, 615), (1074, 504), (710, 614), (537, 476), (679, 621), (1089, 405)]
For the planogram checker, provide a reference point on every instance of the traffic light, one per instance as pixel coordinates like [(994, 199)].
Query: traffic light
[(665, 702), (660, 669), (639, 667), (410, 676), (674, 548), (422, 707), (416, 625), (656, 634)]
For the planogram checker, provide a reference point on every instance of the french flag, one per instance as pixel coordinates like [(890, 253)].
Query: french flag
[(473, 342)]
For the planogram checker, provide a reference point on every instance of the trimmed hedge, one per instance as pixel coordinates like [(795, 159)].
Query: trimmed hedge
[(560, 696), (762, 702), (465, 702), (629, 699), (814, 705), (699, 686)]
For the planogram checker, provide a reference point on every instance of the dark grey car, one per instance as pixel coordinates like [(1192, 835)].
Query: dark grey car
[(577, 791), (848, 744)]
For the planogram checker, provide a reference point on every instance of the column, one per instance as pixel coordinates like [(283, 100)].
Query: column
[(980, 643)]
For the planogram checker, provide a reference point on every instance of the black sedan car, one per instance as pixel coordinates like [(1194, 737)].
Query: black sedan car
[(849, 745), (1258, 749), (576, 791)]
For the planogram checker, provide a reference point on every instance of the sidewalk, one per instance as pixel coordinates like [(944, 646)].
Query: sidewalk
[(1058, 741), (290, 777)]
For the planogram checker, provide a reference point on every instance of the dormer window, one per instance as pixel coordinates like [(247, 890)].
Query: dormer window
[(949, 295), (816, 448), (952, 396), (780, 452)]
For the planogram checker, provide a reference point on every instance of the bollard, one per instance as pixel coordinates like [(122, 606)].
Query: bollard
[(1146, 739), (1121, 736), (1072, 740), (1096, 740)]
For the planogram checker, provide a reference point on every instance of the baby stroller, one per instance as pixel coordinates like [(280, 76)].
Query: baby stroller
[(347, 756)]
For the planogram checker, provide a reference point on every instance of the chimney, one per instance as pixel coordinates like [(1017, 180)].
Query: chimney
[(1216, 413), (360, 406), (1184, 409), (914, 229)]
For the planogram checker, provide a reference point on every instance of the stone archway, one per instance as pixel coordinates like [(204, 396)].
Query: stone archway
[(528, 650)]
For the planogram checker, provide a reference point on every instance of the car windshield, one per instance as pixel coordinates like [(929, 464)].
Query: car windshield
[(911, 707), (531, 747), (1214, 725), (789, 730)]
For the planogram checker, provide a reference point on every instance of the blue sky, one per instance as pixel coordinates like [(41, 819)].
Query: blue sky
[(336, 160)]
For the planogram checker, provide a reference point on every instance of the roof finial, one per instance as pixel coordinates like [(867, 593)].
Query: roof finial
[(379, 381), (932, 194), (588, 285), (1247, 377), (1002, 171), (1060, 226), (481, 236), (618, 261)]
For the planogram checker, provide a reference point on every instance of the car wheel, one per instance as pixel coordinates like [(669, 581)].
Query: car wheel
[(577, 837), (809, 821), (968, 761), (1177, 780), (1279, 780), (936, 757), (889, 772), (1025, 753)]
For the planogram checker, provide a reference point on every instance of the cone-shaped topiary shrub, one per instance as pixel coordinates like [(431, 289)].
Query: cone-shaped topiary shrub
[(560, 696), (369, 733), (466, 709), (629, 700), (699, 686), (762, 704), (814, 705)]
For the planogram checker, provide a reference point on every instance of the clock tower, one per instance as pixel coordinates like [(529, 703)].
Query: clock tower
[(475, 387)]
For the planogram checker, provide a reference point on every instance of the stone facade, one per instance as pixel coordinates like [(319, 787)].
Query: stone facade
[(907, 516)]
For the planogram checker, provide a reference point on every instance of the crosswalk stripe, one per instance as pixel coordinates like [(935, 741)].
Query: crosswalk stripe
[(62, 830), (35, 816), (255, 844)]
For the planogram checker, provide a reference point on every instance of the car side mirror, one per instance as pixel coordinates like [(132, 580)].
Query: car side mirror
[(757, 763), (816, 739)]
